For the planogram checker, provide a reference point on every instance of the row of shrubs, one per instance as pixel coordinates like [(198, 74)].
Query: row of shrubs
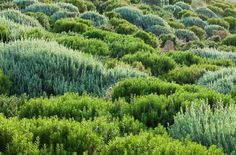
[(51, 136)]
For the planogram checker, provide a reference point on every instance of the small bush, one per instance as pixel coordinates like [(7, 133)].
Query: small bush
[(126, 29), (43, 19), (158, 64), (232, 23), (187, 13), (230, 40), (185, 75), (66, 25), (216, 10), (218, 21), (230, 12), (147, 21), (142, 86), (211, 28), (174, 9), (92, 46), (98, 20), (200, 33), (63, 14), (4, 33), (205, 13), (184, 6), (24, 3), (185, 35), (185, 58), (48, 9), (5, 83), (148, 38), (193, 21), (176, 25), (222, 80), (129, 13), (159, 30)]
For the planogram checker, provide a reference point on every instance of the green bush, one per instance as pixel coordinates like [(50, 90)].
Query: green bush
[(4, 33), (43, 19), (207, 126), (142, 86), (66, 25), (119, 45), (10, 106), (230, 40), (67, 71), (185, 35), (157, 144), (185, 58), (176, 25), (185, 75), (159, 30), (148, 38), (37, 33), (158, 64), (129, 13), (47, 136), (230, 12), (232, 23), (218, 21), (92, 46), (151, 110), (193, 21), (200, 33), (82, 5), (67, 106), (98, 20), (67, 7), (126, 28), (5, 83), (187, 13), (217, 10), (63, 14), (205, 13), (156, 2), (147, 21)]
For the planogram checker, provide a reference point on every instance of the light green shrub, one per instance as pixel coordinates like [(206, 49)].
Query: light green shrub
[(205, 13), (159, 30), (230, 40), (193, 21), (218, 21), (207, 126)]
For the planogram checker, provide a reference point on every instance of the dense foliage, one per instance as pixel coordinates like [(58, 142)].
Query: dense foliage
[(117, 77)]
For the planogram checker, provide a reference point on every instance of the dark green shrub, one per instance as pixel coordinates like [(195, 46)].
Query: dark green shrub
[(4, 33), (218, 21), (92, 46), (43, 19), (66, 25), (142, 86), (185, 75), (97, 19), (230, 40), (200, 33), (10, 106), (126, 28), (185, 35), (176, 25), (148, 38), (119, 45), (5, 83), (158, 64), (230, 12), (185, 58), (232, 23), (151, 110)]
